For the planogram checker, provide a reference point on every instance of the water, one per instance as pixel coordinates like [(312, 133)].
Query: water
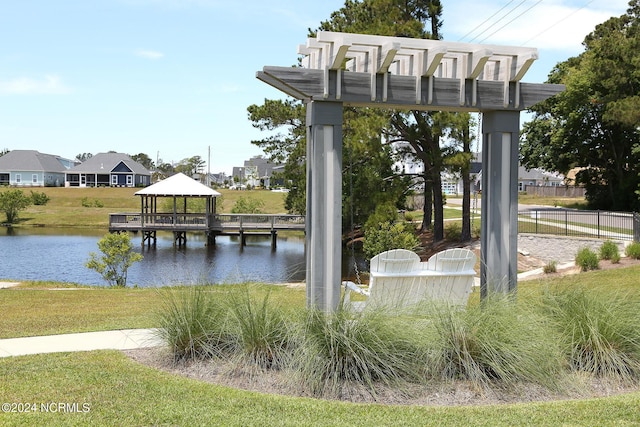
[(60, 255)]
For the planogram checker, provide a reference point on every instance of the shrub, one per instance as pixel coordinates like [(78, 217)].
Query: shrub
[(384, 231), (633, 250), (117, 256), (340, 348), (453, 231), (496, 341), (387, 236), (550, 267), (600, 332), (609, 250), (193, 324), (248, 205), (615, 259), (587, 259), (12, 202), (91, 203), (39, 199)]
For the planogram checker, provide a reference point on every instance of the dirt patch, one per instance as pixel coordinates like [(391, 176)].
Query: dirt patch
[(454, 393), (571, 269)]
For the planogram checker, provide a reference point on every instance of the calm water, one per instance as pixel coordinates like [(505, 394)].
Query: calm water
[(60, 254)]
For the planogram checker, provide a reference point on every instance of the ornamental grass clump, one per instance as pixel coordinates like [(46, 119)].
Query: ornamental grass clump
[(194, 324), (609, 251), (600, 332), (633, 250), (342, 348), (261, 327), (497, 342), (587, 259)]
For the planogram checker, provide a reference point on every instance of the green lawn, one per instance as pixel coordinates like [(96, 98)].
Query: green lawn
[(119, 391), (65, 207), (32, 309)]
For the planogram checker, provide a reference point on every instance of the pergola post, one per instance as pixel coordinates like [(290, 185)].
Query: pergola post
[(499, 224), (324, 204)]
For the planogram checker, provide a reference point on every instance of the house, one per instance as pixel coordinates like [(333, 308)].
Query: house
[(452, 181), (33, 169), (108, 169), (257, 171), (538, 178)]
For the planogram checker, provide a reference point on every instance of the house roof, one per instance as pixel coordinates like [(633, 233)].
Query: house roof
[(178, 185), (107, 162), (538, 174), (30, 160)]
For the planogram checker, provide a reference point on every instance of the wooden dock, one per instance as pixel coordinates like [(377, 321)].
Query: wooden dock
[(212, 225)]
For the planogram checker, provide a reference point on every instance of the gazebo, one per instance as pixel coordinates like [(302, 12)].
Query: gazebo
[(183, 216)]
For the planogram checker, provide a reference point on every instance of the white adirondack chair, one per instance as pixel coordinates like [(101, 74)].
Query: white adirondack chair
[(398, 279), (452, 275), (391, 282)]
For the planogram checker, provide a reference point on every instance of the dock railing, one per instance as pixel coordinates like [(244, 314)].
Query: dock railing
[(199, 222)]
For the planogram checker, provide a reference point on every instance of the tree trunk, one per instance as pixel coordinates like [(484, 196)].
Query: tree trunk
[(438, 207), (427, 216), (466, 187)]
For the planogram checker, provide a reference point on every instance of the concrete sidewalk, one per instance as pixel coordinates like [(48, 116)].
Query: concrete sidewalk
[(126, 339)]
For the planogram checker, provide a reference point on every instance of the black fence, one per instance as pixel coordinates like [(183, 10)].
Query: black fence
[(577, 223)]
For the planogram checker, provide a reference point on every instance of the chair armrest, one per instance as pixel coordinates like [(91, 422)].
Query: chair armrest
[(350, 286)]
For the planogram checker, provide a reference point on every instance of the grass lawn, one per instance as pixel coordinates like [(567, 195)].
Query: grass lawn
[(65, 207), (119, 391), (34, 309)]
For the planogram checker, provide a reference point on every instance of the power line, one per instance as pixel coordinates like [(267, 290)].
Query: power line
[(558, 22), (500, 19), (534, 5), (486, 20)]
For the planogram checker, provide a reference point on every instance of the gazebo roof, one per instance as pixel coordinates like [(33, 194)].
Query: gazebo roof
[(178, 185)]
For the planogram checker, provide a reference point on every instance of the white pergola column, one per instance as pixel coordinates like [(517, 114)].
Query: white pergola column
[(499, 229), (324, 204)]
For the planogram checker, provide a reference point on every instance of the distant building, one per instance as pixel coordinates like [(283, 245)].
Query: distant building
[(452, 182), (108, 170), (33, 169), (257, 171)]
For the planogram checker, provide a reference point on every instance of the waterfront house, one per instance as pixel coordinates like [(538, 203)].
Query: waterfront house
[(108, 170), (30, 168)]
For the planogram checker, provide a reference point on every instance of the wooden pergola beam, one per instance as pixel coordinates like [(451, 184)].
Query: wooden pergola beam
[(355, 90)]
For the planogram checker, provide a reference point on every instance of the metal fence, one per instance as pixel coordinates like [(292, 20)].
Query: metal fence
[(577, 223)]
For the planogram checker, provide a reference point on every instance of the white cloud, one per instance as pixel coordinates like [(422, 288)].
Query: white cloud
[(149, 54), (49, 85)]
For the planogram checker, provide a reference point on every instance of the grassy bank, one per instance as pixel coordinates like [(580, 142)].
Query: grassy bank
[(42, 308), (90, 207)]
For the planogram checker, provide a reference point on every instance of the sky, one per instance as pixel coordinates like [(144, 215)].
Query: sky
[(173, 78)]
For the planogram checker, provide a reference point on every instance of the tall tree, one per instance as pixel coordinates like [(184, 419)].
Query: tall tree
[(595, 123), (144, 160), (405, 18), (286, 146), (191, 166)]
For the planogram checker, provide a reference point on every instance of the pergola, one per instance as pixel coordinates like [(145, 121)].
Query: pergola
[(356, 70)]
